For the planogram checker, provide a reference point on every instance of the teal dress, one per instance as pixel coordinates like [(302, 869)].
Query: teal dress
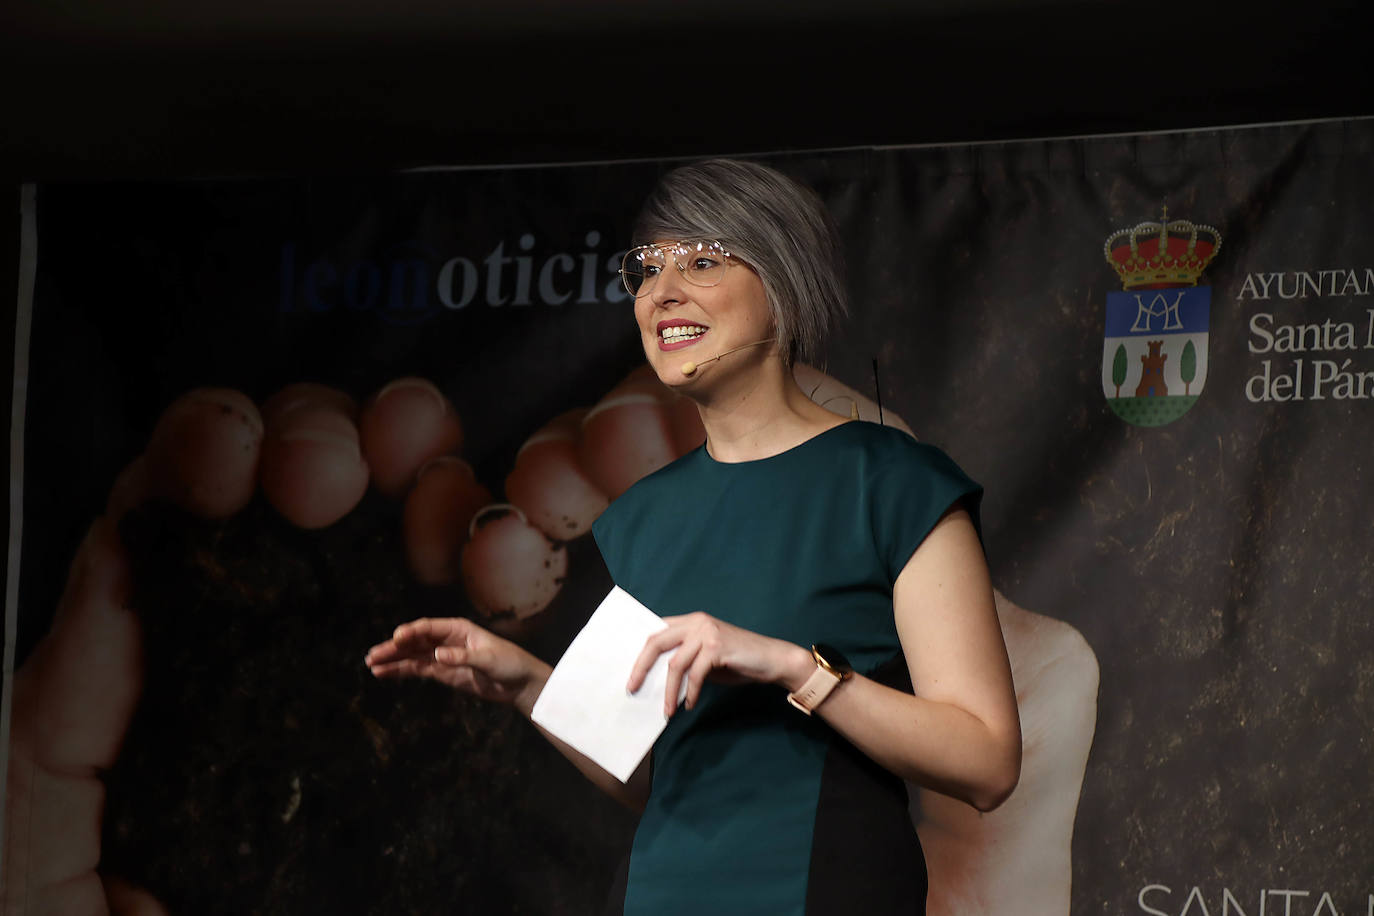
[(756, 808)]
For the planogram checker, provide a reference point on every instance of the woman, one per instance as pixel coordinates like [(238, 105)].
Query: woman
[(829, 606)]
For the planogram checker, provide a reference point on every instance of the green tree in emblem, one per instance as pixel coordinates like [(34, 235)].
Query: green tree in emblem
[(1119, 368), (1187, 365)]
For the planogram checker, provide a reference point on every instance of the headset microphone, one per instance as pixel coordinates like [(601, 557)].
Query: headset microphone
[(690, 368)]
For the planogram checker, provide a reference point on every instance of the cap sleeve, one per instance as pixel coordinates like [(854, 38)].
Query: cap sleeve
[(912, 487)]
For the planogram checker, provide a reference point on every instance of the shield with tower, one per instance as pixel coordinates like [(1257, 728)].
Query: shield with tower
[(1154, 354)]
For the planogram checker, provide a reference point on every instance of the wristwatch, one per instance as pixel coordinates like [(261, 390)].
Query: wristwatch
[(831, 669)]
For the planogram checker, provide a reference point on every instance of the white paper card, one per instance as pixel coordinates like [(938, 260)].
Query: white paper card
[(584, 702)]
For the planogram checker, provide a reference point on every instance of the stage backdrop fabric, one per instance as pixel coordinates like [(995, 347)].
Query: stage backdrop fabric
[(1176, 468)]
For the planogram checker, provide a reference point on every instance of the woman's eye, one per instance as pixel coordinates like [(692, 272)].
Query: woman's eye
[(704, 263), (651, 270)]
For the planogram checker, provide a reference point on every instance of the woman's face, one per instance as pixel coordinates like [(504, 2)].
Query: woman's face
[(681, 322)]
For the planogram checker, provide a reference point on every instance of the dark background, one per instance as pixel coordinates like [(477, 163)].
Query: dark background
[(154, 89), (98, 90)]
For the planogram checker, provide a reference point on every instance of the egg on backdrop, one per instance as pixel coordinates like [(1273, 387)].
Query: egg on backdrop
[(840, 399), (684, 420), (438, 512), (643, 380), (404, 425), (511, 571), (203, 454), (307, 394), (313, 471), (549, 483), (625, 437)]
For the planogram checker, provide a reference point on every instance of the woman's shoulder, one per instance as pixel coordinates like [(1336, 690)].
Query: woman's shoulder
[(890, 460), (885, 445)]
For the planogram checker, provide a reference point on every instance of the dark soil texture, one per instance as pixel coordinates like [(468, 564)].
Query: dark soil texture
[(267, 772)]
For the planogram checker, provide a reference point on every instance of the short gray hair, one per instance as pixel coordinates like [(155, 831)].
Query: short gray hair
[(778, 226)]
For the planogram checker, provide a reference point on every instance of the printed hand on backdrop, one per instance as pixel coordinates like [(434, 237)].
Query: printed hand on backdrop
[(313, 453), (1017, 858)]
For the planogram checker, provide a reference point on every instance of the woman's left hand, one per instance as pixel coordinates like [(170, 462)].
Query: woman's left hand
[(707, 647)]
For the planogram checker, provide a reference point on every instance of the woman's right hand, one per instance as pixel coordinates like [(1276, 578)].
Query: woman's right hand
[(457, 652)]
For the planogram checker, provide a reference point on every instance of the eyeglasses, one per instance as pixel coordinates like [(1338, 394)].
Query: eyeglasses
[(702, 262)]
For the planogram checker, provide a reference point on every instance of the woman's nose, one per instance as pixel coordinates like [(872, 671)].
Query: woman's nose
[(669, 288)]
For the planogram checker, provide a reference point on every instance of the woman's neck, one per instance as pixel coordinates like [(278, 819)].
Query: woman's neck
[(760, 414)]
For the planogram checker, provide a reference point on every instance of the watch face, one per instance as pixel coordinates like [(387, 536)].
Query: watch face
[(833, 657)]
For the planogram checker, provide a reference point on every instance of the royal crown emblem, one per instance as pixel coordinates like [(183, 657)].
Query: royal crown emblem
[(1161, 255), (1154, 353)]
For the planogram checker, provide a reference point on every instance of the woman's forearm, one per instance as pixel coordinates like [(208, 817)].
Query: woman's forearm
[(934, 744)]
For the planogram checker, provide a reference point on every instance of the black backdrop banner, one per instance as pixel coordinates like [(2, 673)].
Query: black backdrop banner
[(1156, 352)]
